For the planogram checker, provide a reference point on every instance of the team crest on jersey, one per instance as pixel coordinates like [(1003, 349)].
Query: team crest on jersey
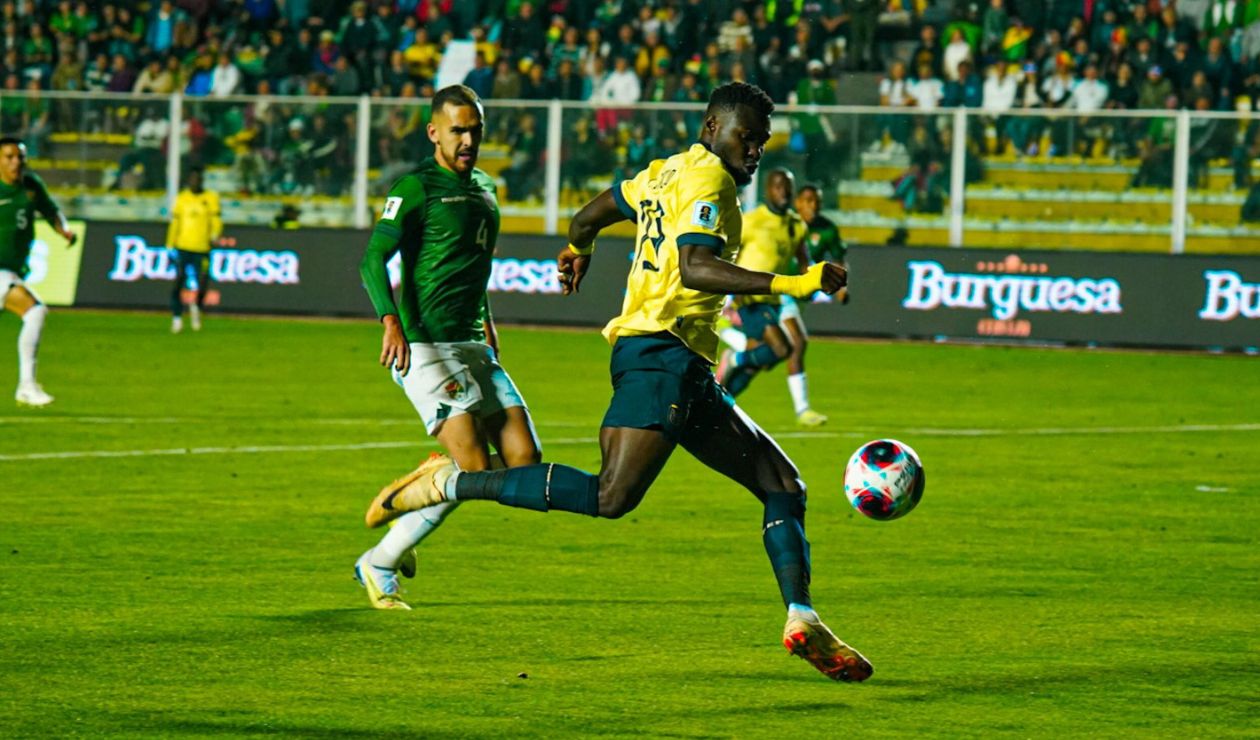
[(453, 388), (705, 214), (815, 238), (392, 204)]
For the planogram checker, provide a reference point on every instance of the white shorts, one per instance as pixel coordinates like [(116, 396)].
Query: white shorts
[(451, 378), (790, 310)]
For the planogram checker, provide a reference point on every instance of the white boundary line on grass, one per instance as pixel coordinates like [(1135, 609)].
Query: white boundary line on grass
[(924, 432)]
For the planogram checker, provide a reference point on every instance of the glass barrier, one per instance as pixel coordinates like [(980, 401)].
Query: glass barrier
[(514, 152), (263, 153), (877, 184), (1069, 181), (1223, 197), (1048, 180)]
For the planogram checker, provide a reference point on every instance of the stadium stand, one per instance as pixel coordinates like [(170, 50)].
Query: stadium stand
[(269, 86)]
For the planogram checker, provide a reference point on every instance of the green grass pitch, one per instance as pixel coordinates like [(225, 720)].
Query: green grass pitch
[(1084, 560)]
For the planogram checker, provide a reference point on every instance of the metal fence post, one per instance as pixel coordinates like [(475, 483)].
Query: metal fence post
[(551, 189), (1181, 181), (174, 146), (362, 141), (957, 177)]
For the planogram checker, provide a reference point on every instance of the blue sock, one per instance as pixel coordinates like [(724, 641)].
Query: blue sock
[(761, 356), (783, 533), (538, 487)]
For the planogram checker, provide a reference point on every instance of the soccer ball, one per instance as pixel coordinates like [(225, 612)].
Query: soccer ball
[(884, 479)]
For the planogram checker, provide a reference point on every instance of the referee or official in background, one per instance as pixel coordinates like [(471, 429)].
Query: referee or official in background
[(196, 225)]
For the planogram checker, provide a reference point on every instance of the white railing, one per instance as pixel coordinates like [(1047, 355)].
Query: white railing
[(864, 125)]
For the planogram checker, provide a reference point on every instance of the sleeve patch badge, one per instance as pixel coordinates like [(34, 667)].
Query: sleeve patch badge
[(705, 214), (392, 204)]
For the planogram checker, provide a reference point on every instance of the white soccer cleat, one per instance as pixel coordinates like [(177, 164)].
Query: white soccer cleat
[(177, 325), (194, 315), (31, 394), (381, 584)]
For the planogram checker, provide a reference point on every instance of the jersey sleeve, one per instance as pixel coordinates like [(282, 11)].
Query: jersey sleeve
[(216, 217), (43, 201), (628, 193), (173, 228), (705, 202), (404, 205)]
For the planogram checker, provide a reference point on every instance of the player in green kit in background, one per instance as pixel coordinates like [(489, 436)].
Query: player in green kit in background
[(439, 340), (22, 195)]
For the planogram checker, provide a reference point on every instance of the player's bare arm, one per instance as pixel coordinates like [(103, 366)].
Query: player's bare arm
[(594, 217), (62, 226), (701, 269), (395, 352)]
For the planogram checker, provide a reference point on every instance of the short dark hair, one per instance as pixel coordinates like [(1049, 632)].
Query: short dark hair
[(809, 186), (780, 171), (730, 96), (458, 95), (6, 140)]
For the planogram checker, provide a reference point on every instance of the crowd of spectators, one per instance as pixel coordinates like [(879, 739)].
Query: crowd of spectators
[(1079, 55)]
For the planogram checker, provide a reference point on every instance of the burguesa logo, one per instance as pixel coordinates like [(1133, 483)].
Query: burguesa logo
[(507, 275), (1228, 296), (1016, 287), (135, 260)]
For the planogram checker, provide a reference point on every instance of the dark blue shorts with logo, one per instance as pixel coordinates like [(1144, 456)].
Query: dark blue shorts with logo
[(754, 318), (659, 383)]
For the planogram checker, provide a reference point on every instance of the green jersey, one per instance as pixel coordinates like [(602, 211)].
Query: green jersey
[(19, 203), (823, 241), (445, 227)]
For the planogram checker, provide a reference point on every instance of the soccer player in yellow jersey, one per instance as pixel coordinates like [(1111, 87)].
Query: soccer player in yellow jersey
[(664, 344), (774, 241), (195, 227)]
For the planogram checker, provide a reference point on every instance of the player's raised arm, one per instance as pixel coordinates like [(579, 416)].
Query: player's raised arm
[(604, 211)]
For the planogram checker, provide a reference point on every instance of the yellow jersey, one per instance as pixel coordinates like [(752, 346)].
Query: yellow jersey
[(195, 221), (771, 241), (688, 199)]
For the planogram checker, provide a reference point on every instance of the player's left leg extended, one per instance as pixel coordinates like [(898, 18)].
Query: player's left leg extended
[(723, 437), (805, 416), (26, 305)]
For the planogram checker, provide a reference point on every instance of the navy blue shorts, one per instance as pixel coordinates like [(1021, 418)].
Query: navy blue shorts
[(658, 383), (756, 317)]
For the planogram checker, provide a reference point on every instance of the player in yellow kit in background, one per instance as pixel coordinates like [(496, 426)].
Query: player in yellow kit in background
[(774, 241), (196, 225), (664, 343)]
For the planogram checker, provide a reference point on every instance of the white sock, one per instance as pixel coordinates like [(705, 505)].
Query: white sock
[(803, 612), (800, 392), (28, 342), (734, 338), (408, 531)]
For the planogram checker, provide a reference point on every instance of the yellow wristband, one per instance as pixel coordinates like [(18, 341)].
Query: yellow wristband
[(587, 252), (798, 286)]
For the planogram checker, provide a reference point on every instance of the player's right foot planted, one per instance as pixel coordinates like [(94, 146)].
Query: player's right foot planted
[(381, 584), (32, 394), (810, 418), (810, 639), (424, 486), (177, 325)]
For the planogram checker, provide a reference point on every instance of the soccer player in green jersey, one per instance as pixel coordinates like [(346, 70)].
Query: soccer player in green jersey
[(22, 195), (439, 339)]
